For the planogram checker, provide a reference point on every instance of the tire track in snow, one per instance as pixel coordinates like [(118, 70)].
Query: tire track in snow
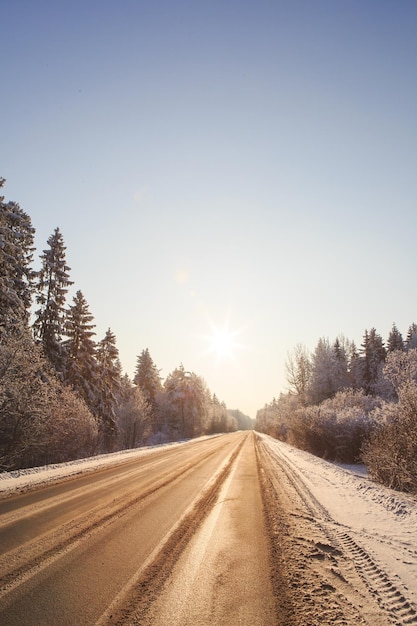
[(393, 600)]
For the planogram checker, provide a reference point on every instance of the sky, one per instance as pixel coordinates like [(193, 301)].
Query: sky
[(235, 168)]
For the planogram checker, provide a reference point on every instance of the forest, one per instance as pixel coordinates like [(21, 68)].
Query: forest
[(353, 405), (63, 394)]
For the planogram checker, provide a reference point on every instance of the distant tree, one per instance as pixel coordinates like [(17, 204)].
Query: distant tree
[(186, 396), (411, 340), (341, 377), (81, 366), (133, 415), (355, 368), (395, 340), (108, 381), (52, 288), (148, 379), (323, 380), (244, 422), (298, 370), (16, 273), (373, 356)]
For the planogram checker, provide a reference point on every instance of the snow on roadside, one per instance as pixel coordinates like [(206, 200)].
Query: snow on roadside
[(22, 480), (381, 520)]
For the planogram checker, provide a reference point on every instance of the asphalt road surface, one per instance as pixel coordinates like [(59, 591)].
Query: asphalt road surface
[(101, 548)]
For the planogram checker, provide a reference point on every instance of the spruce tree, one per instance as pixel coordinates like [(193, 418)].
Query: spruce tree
[(411, 340), (81, 365), (147, 378), (109, 386), (373, 354), (16, 273), (395, 340), (52, 288)]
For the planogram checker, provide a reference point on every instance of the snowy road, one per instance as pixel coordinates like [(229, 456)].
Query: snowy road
[(235, 529)]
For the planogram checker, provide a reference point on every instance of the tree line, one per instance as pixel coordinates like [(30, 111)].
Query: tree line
[(349, 404), (63, 394)]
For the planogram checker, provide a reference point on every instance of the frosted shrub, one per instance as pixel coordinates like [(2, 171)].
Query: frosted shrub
[(71, 431), (391, 451), (336, 428)]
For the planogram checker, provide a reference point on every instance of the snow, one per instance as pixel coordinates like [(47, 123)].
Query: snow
[(381, 521)]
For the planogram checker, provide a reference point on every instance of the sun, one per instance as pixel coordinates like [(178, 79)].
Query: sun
[(222, 343)]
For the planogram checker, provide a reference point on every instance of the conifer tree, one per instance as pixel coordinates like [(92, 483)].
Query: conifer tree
[(16, 273), (395, 340), (147, 378), (109, 385), (373, 354), (52, 287), (81, 364), (411, 340)]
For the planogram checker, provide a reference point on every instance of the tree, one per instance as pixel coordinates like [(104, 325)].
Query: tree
[(52, 288), (298, 369), (16, 273), (108, 377), (81, 366), (147, 378), (322, 383), (411, 340), (395, 340), (40, 421), (186, 394), (373, 356), (132, 415)]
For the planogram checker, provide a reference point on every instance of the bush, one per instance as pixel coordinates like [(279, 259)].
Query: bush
[(391, 450), (335, 429)]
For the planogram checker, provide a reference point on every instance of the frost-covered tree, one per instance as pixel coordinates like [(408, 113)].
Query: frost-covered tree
[(395, 340), (52, 288), (16, 273), (411, 340), (133, 415), (298, 370), (401, 368), (81, 365), (40, 421), (341, 349), (147, 378), (323, 380), (220, 420), (373, 356), (355, 367), (108, 381), (185, 392)]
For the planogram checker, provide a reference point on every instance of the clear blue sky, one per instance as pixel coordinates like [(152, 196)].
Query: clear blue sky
[(250, 164)]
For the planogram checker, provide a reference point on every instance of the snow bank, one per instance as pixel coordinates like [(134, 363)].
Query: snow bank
[(22, 480)]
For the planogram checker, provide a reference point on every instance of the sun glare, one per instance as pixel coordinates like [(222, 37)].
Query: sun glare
[(222, 343)]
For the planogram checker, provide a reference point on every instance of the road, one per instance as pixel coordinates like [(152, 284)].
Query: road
[(97, 549), (217, 531)]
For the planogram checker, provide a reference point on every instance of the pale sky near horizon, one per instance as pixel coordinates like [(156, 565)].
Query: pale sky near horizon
[(224, 163)]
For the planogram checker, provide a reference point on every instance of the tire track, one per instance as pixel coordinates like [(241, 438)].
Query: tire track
[(401, 610), (340, 548), (22, 563), (134, 600)]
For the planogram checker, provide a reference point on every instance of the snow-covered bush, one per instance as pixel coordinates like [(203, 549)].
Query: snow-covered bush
[(71, 431), (335, 429), (391, 451), (40, 421)]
